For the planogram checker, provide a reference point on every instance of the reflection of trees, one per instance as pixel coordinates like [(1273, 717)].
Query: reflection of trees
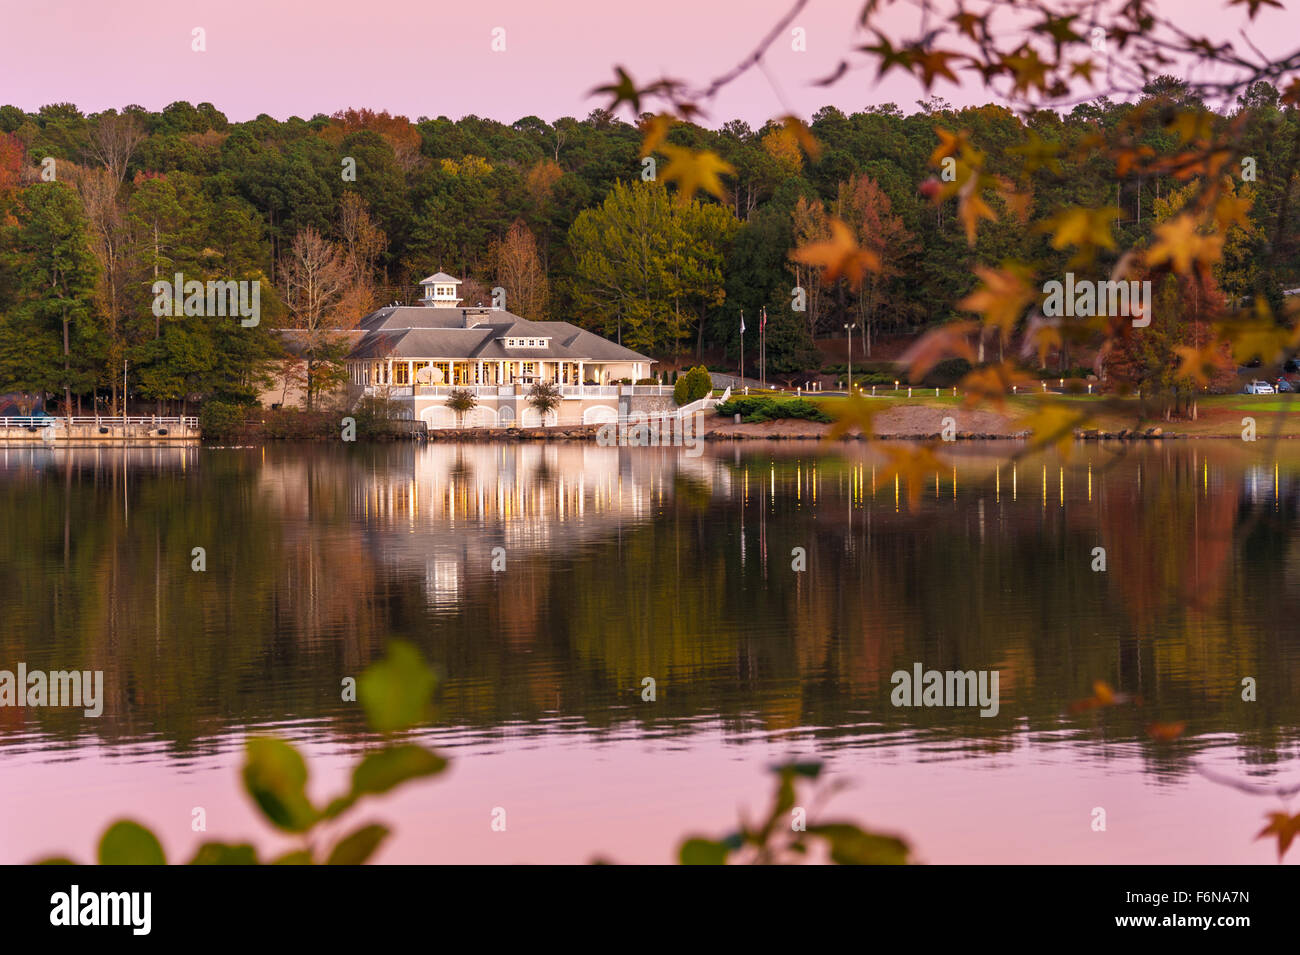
[(683, 575), (283, 611)]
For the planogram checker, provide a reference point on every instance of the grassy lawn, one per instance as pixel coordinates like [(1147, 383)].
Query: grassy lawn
[(1217, 414)]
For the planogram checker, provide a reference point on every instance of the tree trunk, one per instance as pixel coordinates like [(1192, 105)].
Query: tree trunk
[(67, 369)]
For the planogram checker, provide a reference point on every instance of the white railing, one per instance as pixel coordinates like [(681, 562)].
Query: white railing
[(188, 421), (568, 391), (589, 391), (703, 404)]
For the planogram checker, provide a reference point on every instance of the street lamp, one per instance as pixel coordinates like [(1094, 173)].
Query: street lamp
[(849, 329)]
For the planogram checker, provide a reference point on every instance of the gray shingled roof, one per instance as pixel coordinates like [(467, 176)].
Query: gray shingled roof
[(417, 331)]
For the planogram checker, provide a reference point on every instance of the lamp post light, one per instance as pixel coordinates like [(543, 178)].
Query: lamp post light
[(849, 329)]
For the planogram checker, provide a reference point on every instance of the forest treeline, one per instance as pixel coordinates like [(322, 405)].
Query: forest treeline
[(336, 215)]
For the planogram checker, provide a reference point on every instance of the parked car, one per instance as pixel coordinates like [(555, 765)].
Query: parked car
[(1284, 385), (1258, 387)]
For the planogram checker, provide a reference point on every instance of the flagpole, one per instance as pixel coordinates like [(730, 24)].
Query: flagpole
[(742, 346), (762, 346)]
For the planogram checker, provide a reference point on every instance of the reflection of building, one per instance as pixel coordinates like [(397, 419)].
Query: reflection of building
[(441, 517), (418, 354)]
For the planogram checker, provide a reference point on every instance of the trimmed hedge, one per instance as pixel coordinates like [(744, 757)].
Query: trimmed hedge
[(753, 409)]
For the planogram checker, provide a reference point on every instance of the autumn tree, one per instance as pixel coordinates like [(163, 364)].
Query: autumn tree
[(519, 271), (316, 283), (113, 140)]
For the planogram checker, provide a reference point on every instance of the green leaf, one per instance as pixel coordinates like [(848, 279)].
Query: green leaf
[(852, 846), (395, 691), (297, 857), (382, 770), (56, 860), (808, 770), (219, 853), (276, 777), (129, 843), (356, 847), (703, 852)]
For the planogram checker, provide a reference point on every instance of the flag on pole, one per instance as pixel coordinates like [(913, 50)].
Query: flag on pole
[(762, 321), (742, 322)]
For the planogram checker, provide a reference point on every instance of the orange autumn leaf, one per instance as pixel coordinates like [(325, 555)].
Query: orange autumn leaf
[(948, 341), (840, 255), (1001, 297), (992, 384), (971, 207), (1164, 732), (1284, 827)]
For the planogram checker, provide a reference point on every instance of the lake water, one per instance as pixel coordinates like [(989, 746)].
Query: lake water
[(623, 564)]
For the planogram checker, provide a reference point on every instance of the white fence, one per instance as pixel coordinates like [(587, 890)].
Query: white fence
[(42, 421)]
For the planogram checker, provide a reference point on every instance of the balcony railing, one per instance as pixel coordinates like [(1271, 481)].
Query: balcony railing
[(520, 389)]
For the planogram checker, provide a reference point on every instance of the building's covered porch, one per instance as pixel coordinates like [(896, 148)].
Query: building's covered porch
[(460, 372)]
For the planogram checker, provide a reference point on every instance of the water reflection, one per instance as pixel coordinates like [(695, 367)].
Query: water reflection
[(547, 580)]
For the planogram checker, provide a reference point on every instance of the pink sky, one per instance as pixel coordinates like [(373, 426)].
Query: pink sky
[(294, 58)]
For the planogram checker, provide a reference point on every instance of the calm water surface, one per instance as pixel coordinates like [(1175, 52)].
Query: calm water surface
[(634, 563)]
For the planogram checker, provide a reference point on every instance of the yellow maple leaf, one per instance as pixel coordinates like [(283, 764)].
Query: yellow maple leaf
[(913, 467), (693, 170), (798, 129), (1191, 124), (1052, 422), (992, 384), (1199, 365), (1086, 228), (1180, 244), (857, 412), (653, 130), (1264, 340), (1039, 153), (971, 207)]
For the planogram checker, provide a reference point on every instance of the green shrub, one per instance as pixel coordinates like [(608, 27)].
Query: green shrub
[(219, 419), (373, 414), (752, 409), (947, 373), (692, 386)]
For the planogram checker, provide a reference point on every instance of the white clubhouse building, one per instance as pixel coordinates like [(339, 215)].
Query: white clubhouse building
[(422, 352)]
